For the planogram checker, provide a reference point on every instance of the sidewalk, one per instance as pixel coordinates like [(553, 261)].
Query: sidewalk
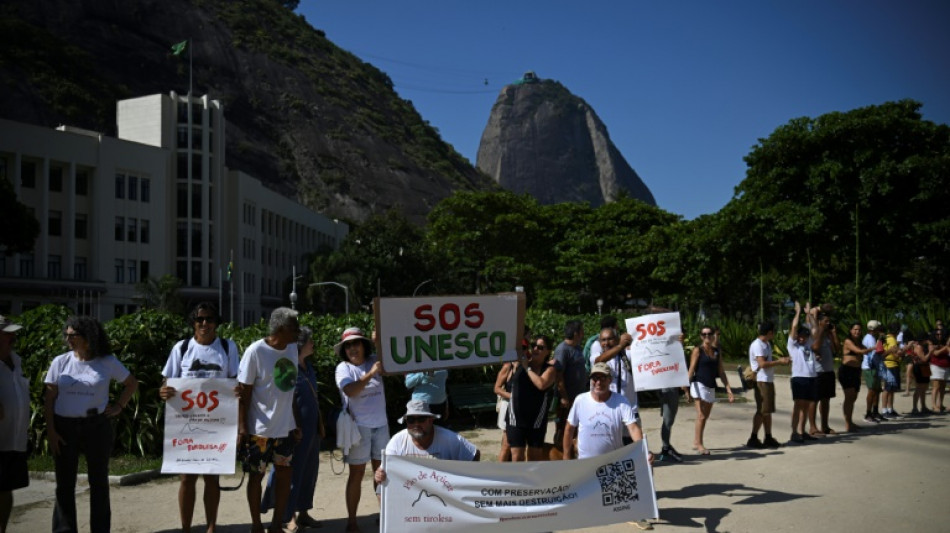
[(889, 477)]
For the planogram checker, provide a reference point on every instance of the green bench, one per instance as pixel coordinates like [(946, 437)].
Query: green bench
[(474, 398)]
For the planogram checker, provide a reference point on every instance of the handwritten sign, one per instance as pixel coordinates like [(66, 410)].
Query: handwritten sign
[(656, 354), (200, 427), (418, 334)]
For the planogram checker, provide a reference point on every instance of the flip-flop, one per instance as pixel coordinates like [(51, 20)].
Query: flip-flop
[(829, 431)]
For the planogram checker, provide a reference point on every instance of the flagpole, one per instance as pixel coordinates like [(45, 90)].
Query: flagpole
[(191, 44)]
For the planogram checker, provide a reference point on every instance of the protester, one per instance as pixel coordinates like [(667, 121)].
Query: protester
[(869, 371), (939, 368), (614, 417), (891, 375), (78, 410), (705, 365), (614, 354), (571, 372), (268, 428), (804, 382), (422, 438), (824, 345), (429, 387), (762, 362), (531, 396), (14, 420), (849, 374), (920, 370), (359, 378), (503, 391), (204, 355), (306, 464)]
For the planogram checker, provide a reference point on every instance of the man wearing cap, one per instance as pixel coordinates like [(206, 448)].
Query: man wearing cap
[(422, 438), (359, 376), (14, 420), (869, 372)]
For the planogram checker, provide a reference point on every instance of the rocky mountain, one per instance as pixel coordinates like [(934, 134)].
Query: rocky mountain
[(305, 117), (543, 140)]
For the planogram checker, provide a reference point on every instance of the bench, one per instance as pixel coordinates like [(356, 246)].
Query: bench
[(475, 398)]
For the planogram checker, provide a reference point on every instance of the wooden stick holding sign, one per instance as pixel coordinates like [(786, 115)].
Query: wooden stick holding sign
[(429, 333)]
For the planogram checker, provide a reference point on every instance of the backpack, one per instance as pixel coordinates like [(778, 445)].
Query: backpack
[(222, 341), (590, 342)]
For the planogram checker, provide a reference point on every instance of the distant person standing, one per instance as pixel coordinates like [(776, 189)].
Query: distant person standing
[(571, 372), (531, 395), (705, 365), (849, 373), (824, 345), (429, 387), (14, 420), (872, 358), (761, 361), (204, 355), (804, 380), (78, 412)]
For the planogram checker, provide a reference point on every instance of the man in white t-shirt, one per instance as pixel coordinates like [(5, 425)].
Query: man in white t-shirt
[(760, 359), (14, 420), (267, 423), (204, 355), (422, 438)]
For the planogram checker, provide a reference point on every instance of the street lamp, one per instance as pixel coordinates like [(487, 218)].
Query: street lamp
[(293, 290), (420, 285), (346, 291), (600, 306)]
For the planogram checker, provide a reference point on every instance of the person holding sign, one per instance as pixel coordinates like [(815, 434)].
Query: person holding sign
[(531, 395), (267, 421), (359, 378), (204, 355), (705, 364), (78, 410), (614, 355)]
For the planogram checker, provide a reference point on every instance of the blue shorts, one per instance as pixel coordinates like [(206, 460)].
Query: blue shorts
[(371, 445), (892, 382), (805, 389)]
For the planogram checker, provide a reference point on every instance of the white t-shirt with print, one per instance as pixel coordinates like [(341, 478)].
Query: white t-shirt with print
[(760, 348), (83, 385), (202, 361), (600, 425), (804, 364), (273, 374), (446, 445), (369, 406), (15, 398)]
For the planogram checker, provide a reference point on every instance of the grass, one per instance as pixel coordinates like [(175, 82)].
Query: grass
[(118, 466)]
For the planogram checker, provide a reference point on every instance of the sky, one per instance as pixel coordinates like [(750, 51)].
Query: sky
[(685, 88)]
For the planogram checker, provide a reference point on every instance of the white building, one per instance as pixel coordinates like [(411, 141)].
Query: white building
[(158, 200)]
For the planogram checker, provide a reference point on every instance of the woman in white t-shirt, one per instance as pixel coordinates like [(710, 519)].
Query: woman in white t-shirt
[(78, 410)]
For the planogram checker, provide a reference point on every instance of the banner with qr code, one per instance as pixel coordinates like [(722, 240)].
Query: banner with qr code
[(459, 496)]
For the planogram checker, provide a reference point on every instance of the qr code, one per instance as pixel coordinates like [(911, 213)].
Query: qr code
[(618, 483)]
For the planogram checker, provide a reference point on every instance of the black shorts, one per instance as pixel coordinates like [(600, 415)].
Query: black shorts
[(826, 385), (530, 437), (13, 471), (850, 377), (805, 389)]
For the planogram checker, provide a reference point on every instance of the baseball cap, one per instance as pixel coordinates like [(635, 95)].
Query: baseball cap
[(874, 324), (7, 326), (600, 368)]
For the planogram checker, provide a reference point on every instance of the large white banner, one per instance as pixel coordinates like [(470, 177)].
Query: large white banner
[(428, 333), (200, 427), (656, 354), (422, 494)]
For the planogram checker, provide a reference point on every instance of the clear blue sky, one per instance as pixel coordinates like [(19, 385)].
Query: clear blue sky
[(685, 88)]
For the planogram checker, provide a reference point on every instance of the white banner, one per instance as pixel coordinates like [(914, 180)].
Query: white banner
[(656, 354), (422, 494), (419, 334), (200, 427)]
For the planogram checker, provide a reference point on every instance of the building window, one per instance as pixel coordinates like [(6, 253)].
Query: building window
[(196, 273), (181, 270), (181, 241), (145, 231), (82, 183), (81, 230), (79, 269), (182, 200), (182, 165), (133, 188), (133, 230), (196, 173), (196, 240), (196, 117), (119, 228), (120, 186), (183, 111), (118, 310), (196, 201), (55, 224), (3, 263), (28, 174), (210, 203), (182, 136), (54, 267), (196, 138), (143, 269), (56, 179), (146, 190), (119, 271), (132, 264), (27, 269)]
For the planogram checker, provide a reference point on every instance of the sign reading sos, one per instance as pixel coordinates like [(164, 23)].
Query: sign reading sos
[(203, 400), (448, 317), (652, 328)]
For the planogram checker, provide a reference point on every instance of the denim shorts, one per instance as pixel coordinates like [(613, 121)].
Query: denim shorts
[(371, 445)]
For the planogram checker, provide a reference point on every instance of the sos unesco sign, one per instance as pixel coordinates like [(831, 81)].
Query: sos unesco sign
[(428, 333)]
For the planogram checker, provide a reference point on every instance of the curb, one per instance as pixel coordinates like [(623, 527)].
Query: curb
[(135, 478)]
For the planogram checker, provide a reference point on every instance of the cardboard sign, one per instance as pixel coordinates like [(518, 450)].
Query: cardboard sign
[(200, 427), (428, 333), (656, 354)]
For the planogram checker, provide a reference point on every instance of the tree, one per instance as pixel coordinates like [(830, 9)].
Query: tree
[(160, 293), (18, 217)]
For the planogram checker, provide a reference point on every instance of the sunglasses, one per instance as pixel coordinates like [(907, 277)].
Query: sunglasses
[(539, 347), (416, 419), (203, 319), (707, 334), (599, 377)]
